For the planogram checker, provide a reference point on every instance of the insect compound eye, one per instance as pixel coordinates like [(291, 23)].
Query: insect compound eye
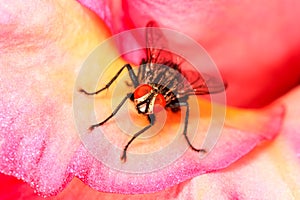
[(160, 100), (142, 90), (160, 103)]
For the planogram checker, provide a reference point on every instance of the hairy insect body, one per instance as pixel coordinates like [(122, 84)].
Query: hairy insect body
[(164, 79)]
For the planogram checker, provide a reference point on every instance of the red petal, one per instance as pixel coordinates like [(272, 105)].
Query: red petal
[(12, 188), (256, 50)]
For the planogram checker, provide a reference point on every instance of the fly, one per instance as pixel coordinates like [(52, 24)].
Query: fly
[(158, 84)]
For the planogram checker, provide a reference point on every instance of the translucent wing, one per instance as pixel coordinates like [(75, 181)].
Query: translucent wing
[(157, 53), (204, 83), (156, 45)]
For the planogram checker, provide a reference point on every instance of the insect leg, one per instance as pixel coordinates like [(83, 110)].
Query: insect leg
[(128, 96), (186, 121), (132, 75), (151, 118)]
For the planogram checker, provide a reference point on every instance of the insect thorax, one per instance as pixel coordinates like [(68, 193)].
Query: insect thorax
[(165, 79)]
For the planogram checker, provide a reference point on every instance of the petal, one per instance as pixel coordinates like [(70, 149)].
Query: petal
[(40, 51), (271, 171), (233, 144), (256, 50), (39, 141), (12, 188), (291, 127), (272, 165)]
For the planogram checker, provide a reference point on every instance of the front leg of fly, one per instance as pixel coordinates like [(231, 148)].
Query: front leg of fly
[(151, 119), (135, 82), (128, 96), (132, 76)]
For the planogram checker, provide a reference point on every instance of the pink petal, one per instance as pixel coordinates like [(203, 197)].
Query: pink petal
[(256, 50), (269, 172), (39, 142), (272, 165), (291, 126), (50, 154), (232, 145)]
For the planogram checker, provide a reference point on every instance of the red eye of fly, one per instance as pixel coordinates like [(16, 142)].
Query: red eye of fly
[(142, 90), (160, 100), (160, 103)]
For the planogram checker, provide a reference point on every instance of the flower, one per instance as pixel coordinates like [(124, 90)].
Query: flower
[(41, 53)]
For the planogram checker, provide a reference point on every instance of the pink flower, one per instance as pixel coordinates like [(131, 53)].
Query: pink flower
[(42, 47)]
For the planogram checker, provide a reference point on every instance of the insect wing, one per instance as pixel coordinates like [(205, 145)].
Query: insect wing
[(157, 53), (204, 83), (156, 45)]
